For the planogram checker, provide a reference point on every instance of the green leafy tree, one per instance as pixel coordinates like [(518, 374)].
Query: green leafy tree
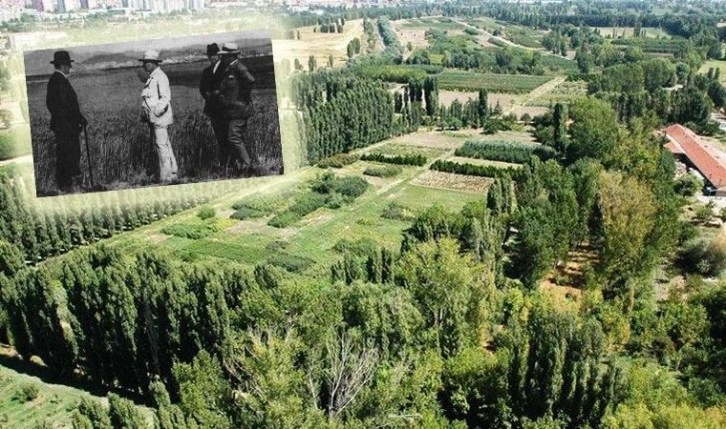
[(594, 129)]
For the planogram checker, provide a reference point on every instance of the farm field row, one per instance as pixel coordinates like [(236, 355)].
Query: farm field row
[(506, 83)]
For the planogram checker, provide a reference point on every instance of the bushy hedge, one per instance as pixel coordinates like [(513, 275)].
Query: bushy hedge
[(193, 231), (206, 212), (290, 263), (707, 258), (475, 170), (243, 213), (417, 160), (256, 207), (398, 73), (504, 151), (338, 161), (397, 211), (382, 170)]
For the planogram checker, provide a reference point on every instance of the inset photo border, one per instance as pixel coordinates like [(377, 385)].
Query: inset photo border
[(153, 112)]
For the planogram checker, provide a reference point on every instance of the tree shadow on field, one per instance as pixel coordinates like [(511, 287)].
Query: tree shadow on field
[(11, 360)]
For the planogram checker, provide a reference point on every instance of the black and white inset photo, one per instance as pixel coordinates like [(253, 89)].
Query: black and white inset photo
[(153, 112)]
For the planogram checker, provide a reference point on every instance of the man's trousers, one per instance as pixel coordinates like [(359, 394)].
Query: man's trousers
[(237, 137), (167, 161), (67, 160)]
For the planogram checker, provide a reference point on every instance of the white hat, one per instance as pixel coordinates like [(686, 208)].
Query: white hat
[(151, 56), (229, 48)]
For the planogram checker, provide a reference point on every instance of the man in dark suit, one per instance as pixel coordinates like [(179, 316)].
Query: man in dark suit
[(66, 122), (213, 107)]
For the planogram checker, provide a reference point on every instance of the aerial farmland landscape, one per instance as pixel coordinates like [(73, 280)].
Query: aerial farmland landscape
[(490, 215)]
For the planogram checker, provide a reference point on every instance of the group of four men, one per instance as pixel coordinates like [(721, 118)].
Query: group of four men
[(226, 86)]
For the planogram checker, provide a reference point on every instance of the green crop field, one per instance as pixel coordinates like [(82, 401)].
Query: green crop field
[(504, 83), (251, 241), (565, 92)]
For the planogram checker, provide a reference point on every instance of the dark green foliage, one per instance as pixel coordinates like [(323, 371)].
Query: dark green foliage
[(398, 73), (397, 211), (504, 151), (475, 170), (291, 263), (192, 231), (337, 161), (382, 170), (206, 212), (40, 234), (364, 247), (123, 413), (704, 257), (417, 160), (27, 392), (204, 393), (348, 186), (243, 213), (555, 369), (328, 191), (341, 113), (393, 49), (687, 185), (90, 414)]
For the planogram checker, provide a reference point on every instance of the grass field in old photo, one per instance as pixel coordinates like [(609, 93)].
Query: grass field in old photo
[(121, 151)]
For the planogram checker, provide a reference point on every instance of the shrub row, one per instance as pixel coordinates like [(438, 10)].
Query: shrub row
[(193, 231), (476, 170), (382, 170), (338, 161), (328, 191), (519, 153), (417, 160)]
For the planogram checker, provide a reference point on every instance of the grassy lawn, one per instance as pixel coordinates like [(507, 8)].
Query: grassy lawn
[(717, 64), (53, 404)]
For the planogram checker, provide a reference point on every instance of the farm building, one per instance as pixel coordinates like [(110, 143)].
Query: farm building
[(688, 147)]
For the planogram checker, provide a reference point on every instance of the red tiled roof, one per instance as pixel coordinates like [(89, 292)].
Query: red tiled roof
[(707, 162), (674, 147)]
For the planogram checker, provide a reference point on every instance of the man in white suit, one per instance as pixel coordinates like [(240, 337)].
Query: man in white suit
[(156, 111)]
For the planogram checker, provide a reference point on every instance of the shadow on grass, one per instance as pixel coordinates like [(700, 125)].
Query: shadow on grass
[(11, 360)]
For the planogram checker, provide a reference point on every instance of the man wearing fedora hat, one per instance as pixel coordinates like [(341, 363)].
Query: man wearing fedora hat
[(156, 112), (213, 107), (66, 121), (236, 94)]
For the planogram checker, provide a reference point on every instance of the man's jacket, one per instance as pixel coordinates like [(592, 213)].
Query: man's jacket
[(62, 103), (209, 83), (236, 89), (156, 99)]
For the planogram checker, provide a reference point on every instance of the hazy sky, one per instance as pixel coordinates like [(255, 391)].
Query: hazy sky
[(38, 62)]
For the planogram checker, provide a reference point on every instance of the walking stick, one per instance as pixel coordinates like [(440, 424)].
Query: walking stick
[(88, 157)]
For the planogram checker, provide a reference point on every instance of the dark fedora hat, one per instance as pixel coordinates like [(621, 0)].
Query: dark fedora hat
[(212, 49), (62, 57)]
